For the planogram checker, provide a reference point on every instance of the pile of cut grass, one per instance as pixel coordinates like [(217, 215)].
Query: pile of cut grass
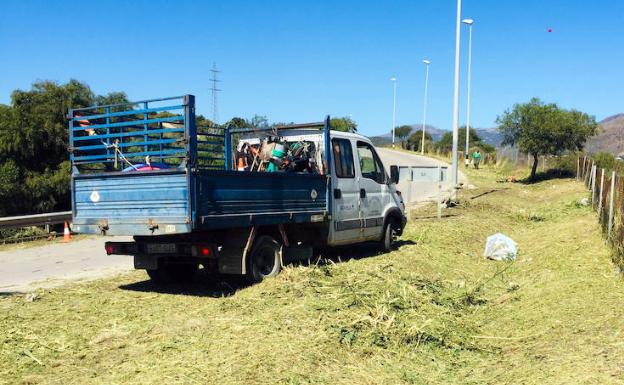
[(432, 312)]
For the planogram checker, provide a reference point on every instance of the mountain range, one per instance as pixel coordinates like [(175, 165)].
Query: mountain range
[(489, 135), (610, 137)]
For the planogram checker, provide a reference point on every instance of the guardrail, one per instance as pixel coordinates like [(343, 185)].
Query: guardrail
[(35, 219)]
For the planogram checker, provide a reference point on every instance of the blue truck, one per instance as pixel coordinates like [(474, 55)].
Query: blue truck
[(239, 201)]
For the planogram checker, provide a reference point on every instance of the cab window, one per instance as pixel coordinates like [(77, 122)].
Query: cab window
[(343, 158), (370, 165)]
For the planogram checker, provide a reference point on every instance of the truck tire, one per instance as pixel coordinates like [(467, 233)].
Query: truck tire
[(388, 236), (264, 260), (173, 273)]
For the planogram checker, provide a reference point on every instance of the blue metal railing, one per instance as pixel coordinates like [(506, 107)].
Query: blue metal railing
[(117, 136)]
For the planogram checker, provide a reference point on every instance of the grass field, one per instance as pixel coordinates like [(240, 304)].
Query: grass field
[(432, 312)]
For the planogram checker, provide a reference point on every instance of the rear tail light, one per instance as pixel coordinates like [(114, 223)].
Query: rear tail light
[(202, 250), (110, 249)]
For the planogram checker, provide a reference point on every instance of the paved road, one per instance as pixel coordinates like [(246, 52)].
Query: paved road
[(22, 270), (420, 191)]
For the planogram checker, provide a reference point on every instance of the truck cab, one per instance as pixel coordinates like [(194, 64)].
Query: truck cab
[(365, 197)]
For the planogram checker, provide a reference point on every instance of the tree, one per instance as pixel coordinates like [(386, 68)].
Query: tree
[(402, 132), (237, 122), (344, 124), (446, 142), (34, 166), (414, 141), (545, 129)]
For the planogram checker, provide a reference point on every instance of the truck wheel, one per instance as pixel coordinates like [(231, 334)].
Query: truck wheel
[(173, 273), (264, 259), (388, 237)]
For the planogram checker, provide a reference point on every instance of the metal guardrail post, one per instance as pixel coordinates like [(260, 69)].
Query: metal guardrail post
[(612, 198)]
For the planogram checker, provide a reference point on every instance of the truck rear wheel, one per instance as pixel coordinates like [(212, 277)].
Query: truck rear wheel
[(264, 259), (173, 273)]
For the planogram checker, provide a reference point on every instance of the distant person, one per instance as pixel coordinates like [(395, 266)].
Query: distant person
[(476, 159)]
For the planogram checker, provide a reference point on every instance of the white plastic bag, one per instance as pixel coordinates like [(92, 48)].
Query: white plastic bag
[(500, 248)]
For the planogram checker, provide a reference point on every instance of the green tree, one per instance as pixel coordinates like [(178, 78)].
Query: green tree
[(446, 142), (34, 167), (402, 132), (545, 129), (344, 124), (414, 141)]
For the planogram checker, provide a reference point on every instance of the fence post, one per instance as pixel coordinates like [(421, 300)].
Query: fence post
[(612, 197), (600, 197), (593, 185), (583, 170), (578, 167)]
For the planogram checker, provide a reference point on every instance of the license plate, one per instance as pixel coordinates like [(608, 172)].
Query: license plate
[(161, 248)]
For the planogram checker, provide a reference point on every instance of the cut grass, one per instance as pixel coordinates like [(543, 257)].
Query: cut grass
[(432, 312)]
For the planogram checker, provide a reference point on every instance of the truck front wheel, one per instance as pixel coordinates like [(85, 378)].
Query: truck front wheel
[(389, 236), (264, 259), (167, 273)]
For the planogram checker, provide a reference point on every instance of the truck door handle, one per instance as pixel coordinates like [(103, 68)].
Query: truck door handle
[(337, 193), (362, 193)]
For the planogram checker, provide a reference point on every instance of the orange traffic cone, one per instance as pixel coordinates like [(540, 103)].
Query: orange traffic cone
[(66, 233)]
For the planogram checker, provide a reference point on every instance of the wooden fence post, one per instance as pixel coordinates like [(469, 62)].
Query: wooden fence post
[(593, 186), (578, 167), (600, 196), (611, 199)]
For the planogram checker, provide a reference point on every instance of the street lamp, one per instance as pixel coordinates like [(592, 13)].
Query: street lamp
[(422, 143), (393, 107), (469, 23), (456, 104)]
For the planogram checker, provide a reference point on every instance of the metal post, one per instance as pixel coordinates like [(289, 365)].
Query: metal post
[(410, 179), (439, 197), (456, 104), (422, 144), (393, 108), (611, 199), (600, 197), (468, 95)]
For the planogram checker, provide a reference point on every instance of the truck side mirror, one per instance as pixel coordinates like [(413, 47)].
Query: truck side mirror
[(394, 174)]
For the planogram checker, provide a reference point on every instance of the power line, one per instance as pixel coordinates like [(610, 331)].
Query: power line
[(214, 90)]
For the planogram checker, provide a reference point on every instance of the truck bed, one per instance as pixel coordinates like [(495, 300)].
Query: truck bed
[(175, 202)]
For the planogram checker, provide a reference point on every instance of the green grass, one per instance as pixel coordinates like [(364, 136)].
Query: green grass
[(432, 312)]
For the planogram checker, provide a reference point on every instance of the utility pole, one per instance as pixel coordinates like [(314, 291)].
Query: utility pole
[(214, 90), (469, 23), (422, 143), (456, 105), (393, 80)]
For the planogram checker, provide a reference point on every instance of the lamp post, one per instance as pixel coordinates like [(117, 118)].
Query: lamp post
[(469, 23), (456, 105), (422, 143), (393, 107)]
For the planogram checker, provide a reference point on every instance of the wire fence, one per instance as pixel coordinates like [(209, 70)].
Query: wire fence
[(607, 194)]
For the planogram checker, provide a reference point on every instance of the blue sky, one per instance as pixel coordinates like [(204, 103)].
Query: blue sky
[(300, 60)]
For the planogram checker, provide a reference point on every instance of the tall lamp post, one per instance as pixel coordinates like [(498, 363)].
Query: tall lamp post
[(422, 143), (393, 107), (456, 105), (469, 23)]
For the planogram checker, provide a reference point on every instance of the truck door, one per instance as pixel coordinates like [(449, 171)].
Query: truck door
[(346, 226), (372, 192)]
